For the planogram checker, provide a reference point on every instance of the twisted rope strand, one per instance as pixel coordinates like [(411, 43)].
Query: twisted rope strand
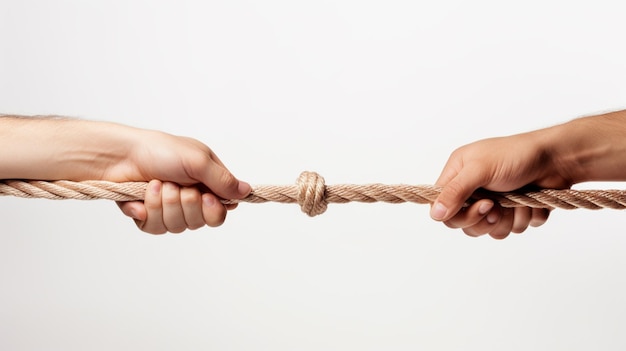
[(313, 195)]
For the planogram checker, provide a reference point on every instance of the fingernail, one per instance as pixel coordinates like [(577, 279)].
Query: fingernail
[(244, 188), (438, 211), (155, 187), (208, 200), (485, 207), (492, 217)]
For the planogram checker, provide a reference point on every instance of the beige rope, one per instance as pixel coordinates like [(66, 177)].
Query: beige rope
[(314, 195)]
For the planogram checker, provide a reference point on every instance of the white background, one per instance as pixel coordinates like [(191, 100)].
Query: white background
[(359, 91)]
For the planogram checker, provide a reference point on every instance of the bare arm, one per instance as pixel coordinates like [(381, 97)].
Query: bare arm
[(188, 179), (584, 149), (53, 148)]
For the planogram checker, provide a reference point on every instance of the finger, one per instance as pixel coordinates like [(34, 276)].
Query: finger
[(455, 192), (229, 206), (486, 225), (474, 232), (471, 215), (191, 201), (154, 211), (133, 209), (521, 219), (213, 211), (173, 216), (449, 171), (504, 226), (223, 183), (539, 216)]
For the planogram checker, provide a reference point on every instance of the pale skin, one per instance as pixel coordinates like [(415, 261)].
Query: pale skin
[(584, 149), (186, 179)]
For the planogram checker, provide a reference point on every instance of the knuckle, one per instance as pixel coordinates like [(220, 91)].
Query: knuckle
[(454, 189), (190, 196), (152, 204), (171, 194), (228, 180), (170, 200)]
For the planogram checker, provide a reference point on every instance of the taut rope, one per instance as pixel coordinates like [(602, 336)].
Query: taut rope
[(314, 195)]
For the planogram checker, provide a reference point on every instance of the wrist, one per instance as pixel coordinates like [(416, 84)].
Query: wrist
[(590, 148), (93, 148)]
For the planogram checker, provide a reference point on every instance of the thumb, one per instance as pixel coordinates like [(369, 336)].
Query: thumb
[(224, 184), (454, 193)]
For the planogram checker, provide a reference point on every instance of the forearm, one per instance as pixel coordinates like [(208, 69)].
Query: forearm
[(590, 148), (53, 148)]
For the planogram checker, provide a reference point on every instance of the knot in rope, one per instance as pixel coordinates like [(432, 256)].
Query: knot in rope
[(311, 193)]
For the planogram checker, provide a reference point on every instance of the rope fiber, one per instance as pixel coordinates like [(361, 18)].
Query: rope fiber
[(313, 195)]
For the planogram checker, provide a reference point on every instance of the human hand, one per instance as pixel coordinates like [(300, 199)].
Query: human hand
[(192, 179), (188, 182), (590, 148), (169, 207), (497, 164)]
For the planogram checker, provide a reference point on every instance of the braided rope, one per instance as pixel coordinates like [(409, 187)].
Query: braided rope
[(313, 195)]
